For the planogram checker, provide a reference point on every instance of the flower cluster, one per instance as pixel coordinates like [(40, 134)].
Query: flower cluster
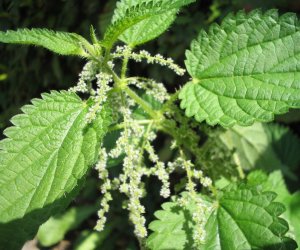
[(202, 211), (105, 189), (202, 208), (198, 175), (86, 76), (152, 88), (130, 180), (136, 141), (159, 170), (204, 180), (125, 51), (133, 141), (100, 95)]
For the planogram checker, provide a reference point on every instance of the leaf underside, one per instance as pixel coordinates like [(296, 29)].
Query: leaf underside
[(43, 162), (63, 43), (243, 218), (138, 21), (245, 70), (264, 146)]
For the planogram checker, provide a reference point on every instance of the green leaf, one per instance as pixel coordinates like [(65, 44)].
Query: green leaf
[(63, 43), (245, 70), (139, 113), (293, 215), (242, 218), (145, 30), (265, 146), (138, 21), (55, 229), (247, 219), (275, 182), (91, 240), (43, 162), (173, 228)]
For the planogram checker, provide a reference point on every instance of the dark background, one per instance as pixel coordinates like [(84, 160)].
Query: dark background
[(25, 72)]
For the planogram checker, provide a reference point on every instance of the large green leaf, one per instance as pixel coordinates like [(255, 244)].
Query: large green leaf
[(245, 70), (138, 21), (247, 219), (43, 162), (242, 218), (63, 43), (265, 146), (275, 182)]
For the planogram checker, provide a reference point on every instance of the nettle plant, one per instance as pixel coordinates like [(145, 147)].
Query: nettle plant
[(243, 71)]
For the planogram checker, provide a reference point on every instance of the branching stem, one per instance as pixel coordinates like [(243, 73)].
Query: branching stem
[(154, 114)]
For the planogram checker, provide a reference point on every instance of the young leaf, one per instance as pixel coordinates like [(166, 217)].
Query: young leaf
[(242, 218), (145, 30), (265, 146), (245, 70), (43, 162), (138, 21), (55, 229), (59, 42)]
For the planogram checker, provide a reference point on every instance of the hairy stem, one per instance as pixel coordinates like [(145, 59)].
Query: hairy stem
[(155, 115), (124, 65)]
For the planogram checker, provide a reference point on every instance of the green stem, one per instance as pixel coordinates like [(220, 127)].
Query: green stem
[(241, 171), (172, 99), (115, 76), (155, 115), (125, 63), (124, 67), (107, 55), (187, 169), (122, 125)]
